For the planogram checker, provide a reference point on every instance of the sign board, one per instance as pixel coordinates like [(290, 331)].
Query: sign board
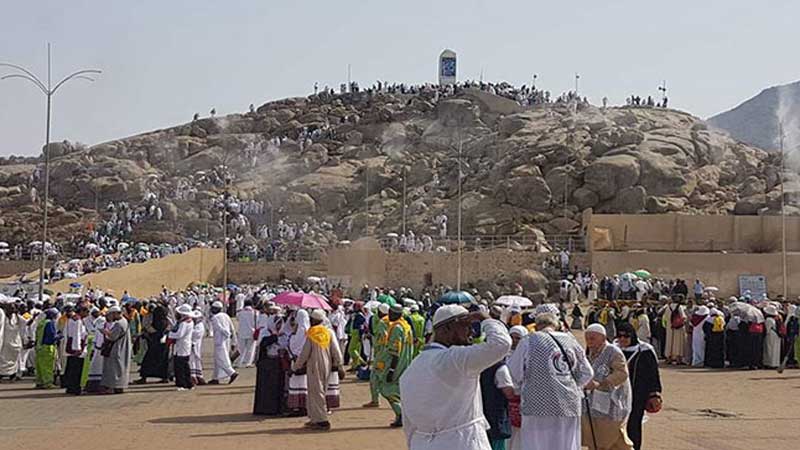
[(756, 284), (447, 67)]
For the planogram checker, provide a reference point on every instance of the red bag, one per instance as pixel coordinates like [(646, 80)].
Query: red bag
[(653, 405), (514, 413), (781, 328), (756, 328), (677, 320), (256, 334)]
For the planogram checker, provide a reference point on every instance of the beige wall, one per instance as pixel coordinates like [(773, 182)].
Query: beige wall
[(14, 268), (145, 279), (259, 272), (362, 263), (678, 232), (714, 269)]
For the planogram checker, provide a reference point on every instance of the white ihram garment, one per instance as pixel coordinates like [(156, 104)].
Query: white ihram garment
[(247, 345), (223, 332), (442, 408)]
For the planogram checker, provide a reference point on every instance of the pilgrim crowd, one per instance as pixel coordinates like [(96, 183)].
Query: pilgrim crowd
[(458, 369)]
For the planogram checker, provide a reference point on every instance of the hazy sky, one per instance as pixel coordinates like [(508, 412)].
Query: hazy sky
[(164, 60)]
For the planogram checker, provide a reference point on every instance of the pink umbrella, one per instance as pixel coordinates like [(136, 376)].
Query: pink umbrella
[(302, 300)]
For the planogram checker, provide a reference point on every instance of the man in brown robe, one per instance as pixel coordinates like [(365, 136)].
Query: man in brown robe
[(318, 358)]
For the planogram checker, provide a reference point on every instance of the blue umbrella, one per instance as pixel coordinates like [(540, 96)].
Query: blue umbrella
[(75, 285), (232, 287), (455, 297)]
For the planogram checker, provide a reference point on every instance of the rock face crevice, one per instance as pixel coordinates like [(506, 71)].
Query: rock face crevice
[(347, 164)]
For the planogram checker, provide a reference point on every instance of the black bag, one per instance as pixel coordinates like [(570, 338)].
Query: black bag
[(105, 350)]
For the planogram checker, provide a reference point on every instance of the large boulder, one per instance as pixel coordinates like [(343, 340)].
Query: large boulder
[(585, 198), (561, 180), (300, 204), (661, 176), (529, 192), (458, 113), (630, 200), (610, 174), (750, 205)]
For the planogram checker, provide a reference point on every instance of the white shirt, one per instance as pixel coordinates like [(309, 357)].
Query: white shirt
[(338, 322), (223, 328), (183, 338), (247, 322), (442, 407), (502, 378), (77, 331)]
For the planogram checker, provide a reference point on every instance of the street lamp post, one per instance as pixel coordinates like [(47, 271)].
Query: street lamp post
[(48, 90), (405, 174), (460, 145), (783, 215)]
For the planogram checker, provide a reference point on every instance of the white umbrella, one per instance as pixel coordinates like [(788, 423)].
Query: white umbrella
[(372, 304), (74, 261), (712, 289), (70, 275), (91, 246), (35, 244), (392, 235), (314, 279), (4, 250), (72, 296), (3, 244), (513, 300), (122, 246)]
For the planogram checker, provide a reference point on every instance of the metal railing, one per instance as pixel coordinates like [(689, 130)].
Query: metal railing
[(526, 242)]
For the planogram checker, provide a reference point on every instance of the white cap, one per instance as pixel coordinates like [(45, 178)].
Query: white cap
[(115, 309), (519, 330), (415, 307), (383, 308), (702, 311), (217, 304), (318, 315), (596, 328), (196, 314), (184, 310), (448, 313), (771, 310), (408, 302)]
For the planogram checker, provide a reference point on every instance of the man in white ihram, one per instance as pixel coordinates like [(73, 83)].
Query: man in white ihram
[(552, 370), (442, 408)]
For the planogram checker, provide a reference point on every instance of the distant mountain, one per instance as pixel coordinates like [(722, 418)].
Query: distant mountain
[(756, 121)]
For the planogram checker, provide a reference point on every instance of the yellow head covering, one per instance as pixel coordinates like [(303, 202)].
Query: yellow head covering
[(319, 335)]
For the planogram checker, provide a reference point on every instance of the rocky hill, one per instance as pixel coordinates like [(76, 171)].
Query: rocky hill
[(339, 162), (756, 121)]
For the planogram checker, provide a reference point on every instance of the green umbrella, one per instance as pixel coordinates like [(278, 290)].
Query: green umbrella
[(456, 297), (643, 274)]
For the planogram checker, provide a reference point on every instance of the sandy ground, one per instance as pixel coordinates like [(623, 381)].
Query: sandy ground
[(729, 410)]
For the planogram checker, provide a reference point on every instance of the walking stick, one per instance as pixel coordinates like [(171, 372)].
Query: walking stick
[(591, 422)]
